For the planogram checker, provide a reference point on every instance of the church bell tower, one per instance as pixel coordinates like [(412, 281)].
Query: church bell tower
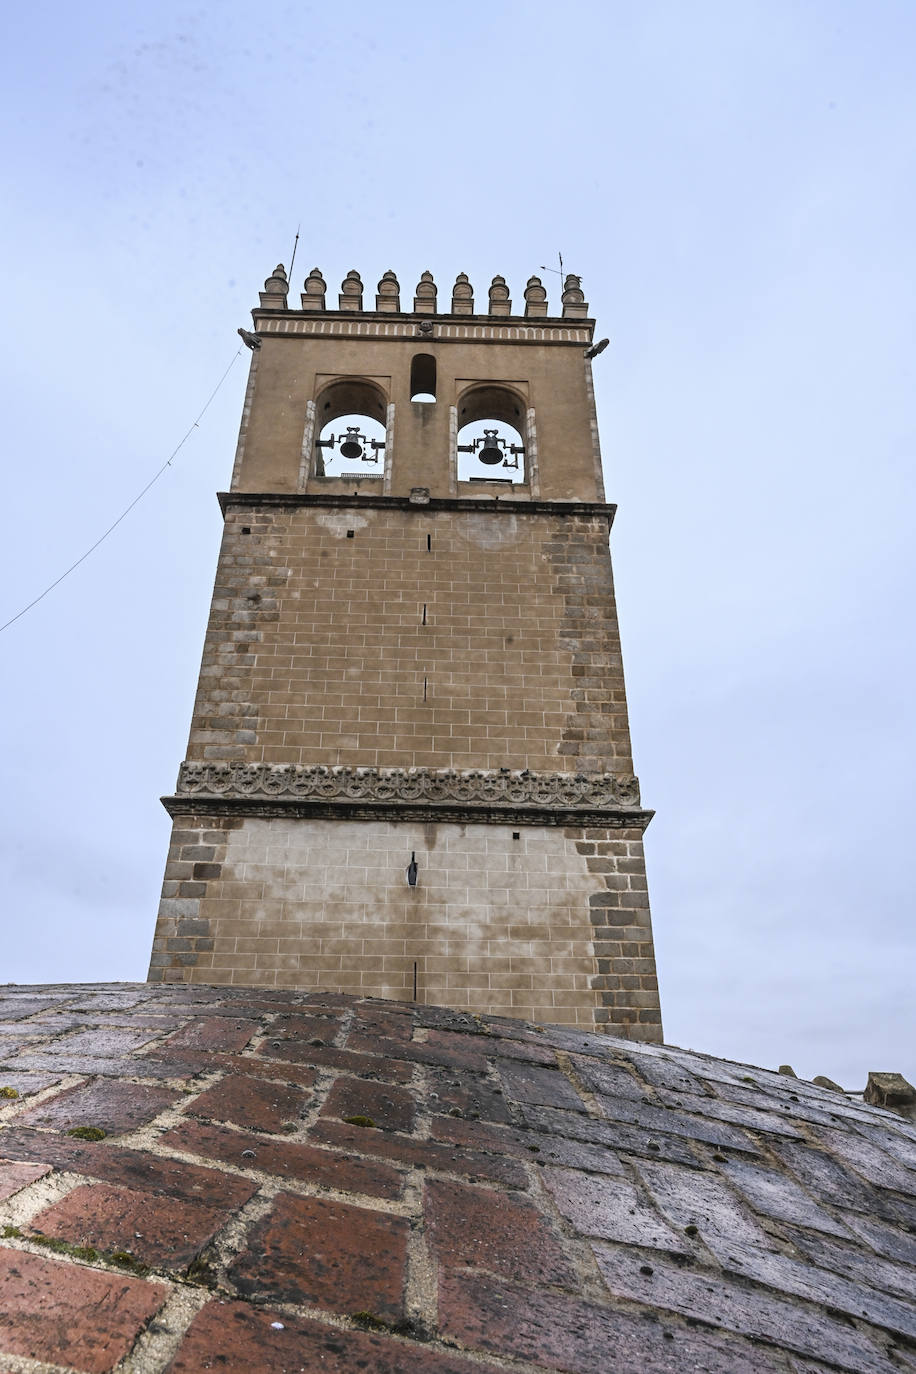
[(409, 771)]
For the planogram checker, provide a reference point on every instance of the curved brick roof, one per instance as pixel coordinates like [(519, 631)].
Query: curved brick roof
[(308, 1182)]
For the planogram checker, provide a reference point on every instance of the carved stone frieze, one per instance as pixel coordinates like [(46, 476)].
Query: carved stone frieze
[(486, 789)]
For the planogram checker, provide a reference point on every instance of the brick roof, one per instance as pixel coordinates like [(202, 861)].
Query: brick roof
[(245, 1179)]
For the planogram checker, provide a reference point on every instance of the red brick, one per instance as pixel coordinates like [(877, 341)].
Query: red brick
[(425, 1154), (478, 1228), (68, 1314), (261, 1104), (112, 1106), (278, 1070), (211, 1033), (132, 1168), (327, 1254), (301, 1052), (391, 1108), (577, 1337), (307, 1028), (287, 1159), (236, 1338), (158, 1230), (14, 1177)]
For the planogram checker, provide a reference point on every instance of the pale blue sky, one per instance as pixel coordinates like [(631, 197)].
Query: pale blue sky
[(735, 183)]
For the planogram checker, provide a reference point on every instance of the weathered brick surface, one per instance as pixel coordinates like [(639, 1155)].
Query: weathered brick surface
[(157, 1230), (426, 1154), (258, 1103), (105, 1104), (554, 1197), (237, 1339), (286, 1159), (327, 1254), (388, 1107), (14, 1177), (477, 1228), (68, 1314)]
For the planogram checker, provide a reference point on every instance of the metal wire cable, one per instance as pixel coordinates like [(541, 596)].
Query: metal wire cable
[(127, 510)]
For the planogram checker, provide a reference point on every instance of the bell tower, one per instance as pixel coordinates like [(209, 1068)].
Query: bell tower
[(409, 772)]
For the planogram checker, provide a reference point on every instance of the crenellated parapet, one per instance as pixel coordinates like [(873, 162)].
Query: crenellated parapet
[(572, 304)]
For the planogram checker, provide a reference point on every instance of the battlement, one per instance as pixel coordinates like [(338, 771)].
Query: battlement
[(351, 301)]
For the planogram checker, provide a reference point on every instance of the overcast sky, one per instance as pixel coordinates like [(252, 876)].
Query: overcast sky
[(735, 183)]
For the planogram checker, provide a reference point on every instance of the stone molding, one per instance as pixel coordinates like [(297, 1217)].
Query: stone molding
[(344, 324), (493, 505), (410, 793)]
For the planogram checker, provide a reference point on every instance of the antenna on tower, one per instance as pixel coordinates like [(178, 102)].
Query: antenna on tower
[(295, 246), (545, 268)]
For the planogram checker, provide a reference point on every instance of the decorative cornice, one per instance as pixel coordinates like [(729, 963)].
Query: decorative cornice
[(499, 796), (462, 329), (493, 505)]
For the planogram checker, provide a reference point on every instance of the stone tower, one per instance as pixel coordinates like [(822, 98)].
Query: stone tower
[(409, 770)]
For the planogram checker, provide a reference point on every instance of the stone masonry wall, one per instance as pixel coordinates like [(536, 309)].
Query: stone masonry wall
[(550, 924), (402, 638)]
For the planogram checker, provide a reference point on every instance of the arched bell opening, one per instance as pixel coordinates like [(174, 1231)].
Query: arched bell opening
[(351, 416), (491, 446), (423, 378)]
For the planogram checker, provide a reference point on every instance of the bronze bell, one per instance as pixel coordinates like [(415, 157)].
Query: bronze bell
[(351, 447), (491, 453)]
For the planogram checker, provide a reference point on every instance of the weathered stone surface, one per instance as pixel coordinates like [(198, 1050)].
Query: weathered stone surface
[(623, 1229)]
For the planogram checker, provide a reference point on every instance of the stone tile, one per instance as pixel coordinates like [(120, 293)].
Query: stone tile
[(132, 1168), (538, 1147), (668, 1121), (564, 1333), (212, 1033), (617, 1136), (261, 1104), (483, 1229), (860, 1266), (771, 1193), (326, 1254), (465, 1094), (425, 1154), (661, 1072), (612, 1209), (759, 1314), (234, 1336), (888, 1240), (690, 1198), (392, 1071), (614, 1080), (18, 1008), (789, 1275), (111, 1106), (50, 1060), (770, 1123), (107, 1042), (868, 1160), (26, 1084), (530, 1083), (286, 1159), (389, 1108), (66, 1313), (14, 1177), (158, 1230)]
